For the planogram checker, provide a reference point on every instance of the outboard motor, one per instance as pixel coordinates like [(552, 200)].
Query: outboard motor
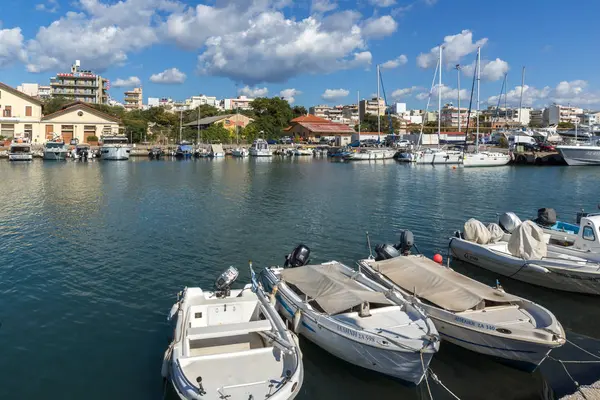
[(546, 217), (385, 252), (407, 241), (298, 257), (509, 222), (582, 214), (224, 282)]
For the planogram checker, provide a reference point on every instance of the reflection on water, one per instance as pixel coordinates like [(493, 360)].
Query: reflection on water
[(93, 254)]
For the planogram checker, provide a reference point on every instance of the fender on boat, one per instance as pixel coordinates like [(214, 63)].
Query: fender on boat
[(164, 370), (173, 311), (536, 268), (297, 318)]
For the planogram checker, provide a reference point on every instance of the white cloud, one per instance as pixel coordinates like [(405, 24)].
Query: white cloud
[(454, 48), (127, 82), (52, 6), (379, 27), (340, 21), (11, 46), (382, 3), (573, 92), (490, 70), (395, 63), (334, 94), (169, 76), (253, 92), (290, 95), (448, 93), (405, 92), (323, 6), (101, 35)]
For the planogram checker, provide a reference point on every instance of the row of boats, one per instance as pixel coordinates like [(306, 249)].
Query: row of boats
[(388, 315), (113, 148)]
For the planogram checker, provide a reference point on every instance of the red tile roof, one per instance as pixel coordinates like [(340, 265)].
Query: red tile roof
[(311, 118), (329, 127)]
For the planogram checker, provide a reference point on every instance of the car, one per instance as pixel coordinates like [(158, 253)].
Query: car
[(547, 147), (403, 144), (531, 147), (272, 141)]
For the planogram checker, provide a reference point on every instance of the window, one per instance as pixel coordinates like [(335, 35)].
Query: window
[(588, 233), (7, 111), (28, 111), (28, 131), (7, 130)]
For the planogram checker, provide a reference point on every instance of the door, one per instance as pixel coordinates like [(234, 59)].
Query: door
[(67, 136), (49, 132)]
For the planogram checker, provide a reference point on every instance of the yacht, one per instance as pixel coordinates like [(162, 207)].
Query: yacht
[(260, 148), (371, 154), (184, 150), (240, 152), (115, 148), (20, 150), (216, 151), (55, 150), (580, 154), (437, 156)]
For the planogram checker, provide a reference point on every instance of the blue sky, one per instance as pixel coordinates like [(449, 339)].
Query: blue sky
[(316, 52)]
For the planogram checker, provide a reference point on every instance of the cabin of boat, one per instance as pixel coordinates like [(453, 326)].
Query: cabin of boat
[(20, 150)]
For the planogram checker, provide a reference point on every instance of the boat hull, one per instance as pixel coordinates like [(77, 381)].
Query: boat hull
[(437, 157), (260, 153), (115, 153), (486, 160), (546, 273), (371, 155), (408, 366), (20, 157), (55, 155), (580, 155)]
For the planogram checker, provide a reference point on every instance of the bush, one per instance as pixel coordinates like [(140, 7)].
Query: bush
[(503, 142), (91, 139)]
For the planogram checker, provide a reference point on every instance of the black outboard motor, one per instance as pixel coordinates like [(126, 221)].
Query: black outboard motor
[(407, 241), (582, 214), (298, 257), (546, 217), (385, 252)]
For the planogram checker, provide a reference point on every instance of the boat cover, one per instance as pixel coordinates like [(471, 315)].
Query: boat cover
[(439, 285), (496, 233), (528, 242), (216, 148), (330, 288), (476, 232)]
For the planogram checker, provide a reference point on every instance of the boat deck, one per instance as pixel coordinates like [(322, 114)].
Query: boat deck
[(503, 315), (391, 319)]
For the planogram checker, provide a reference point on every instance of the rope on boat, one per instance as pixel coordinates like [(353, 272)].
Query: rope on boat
[(563, 362), (425, 372), (439, 382)]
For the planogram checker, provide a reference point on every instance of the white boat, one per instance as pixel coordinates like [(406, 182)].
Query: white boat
[(470, 314), (240, 152), (20, 150), (216, 151), (231, 344), (55, 150), (115, 148), (260, 148), (371, 154), (354, 318), (580, 154), (301, 151), (524, 255), (437, 156)]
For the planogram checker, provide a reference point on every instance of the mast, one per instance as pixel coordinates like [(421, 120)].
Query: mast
[(478, 79), (237, 126), (198, 127), (358, 109), (505, 99), (521, 99), (378, 108), (180, 124), (439, 117), (458, 79)]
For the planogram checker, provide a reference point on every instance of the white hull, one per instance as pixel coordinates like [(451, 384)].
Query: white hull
[(580, 155), (233, 359), (55, 154), (370, 155), (302, 152), (554, 273), (239, 153), (485, 159), (260, 153), (217, 155), (437, 157), (115, 152), (350, 343), (20, 156)]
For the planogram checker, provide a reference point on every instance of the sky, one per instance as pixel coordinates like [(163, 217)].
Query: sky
[(311, 52)]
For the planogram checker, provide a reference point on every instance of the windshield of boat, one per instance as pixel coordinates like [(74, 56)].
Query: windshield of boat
[(20, 149), (115, 140), (54, 145)]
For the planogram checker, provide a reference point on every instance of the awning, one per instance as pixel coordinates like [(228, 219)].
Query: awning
[(442, 286), (333, 291)]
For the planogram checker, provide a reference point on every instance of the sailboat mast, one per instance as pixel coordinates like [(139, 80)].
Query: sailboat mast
[(440, 97), (477, 114), (378, 107), (505, 99), (358, 109), (458, 83), (521, 99), (198, 127), (180, 124)]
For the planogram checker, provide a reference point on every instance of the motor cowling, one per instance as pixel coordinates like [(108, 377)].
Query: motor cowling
[(407, 241), (225, 280), (298, 257), (546, 217), (509, 222), (386, 251)]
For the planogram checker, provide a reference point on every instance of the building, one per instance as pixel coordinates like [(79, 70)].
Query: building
[(398, 108), (536, 117), (35, 90), (450, 116), (312, 128), (350, 113), (320, 111), (197, 101), (20, 114), (557, 114), (134, 99), (80, 85), (229, 121), (589, 118), (340, 114), (371, 107), (77, 121), (241, 103)]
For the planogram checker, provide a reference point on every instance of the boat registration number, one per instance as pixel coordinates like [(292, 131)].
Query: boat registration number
[(480, 325), (357, 335)]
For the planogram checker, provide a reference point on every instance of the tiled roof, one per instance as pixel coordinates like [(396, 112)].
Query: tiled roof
[(79, 105), (311, 118), (211, 120), (328, 127)]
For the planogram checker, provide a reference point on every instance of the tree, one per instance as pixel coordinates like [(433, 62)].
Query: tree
[(272, 115), (54, 104), (299, 111), (566, 125)]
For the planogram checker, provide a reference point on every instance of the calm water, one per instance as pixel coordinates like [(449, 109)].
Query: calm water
[(92, 256)]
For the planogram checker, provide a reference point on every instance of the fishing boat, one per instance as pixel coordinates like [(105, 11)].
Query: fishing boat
[(240, 152), (231, 344), (522, 253), (301, 151), (466, 312), (352, 317), (115, 148), (370, 155), (216, 151), (155, 153), (55, 150), (184, 150), (260, 148), (20, 150)]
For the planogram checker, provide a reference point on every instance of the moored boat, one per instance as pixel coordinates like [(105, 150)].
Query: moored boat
[(20, 150), (115, 148), (231, 344), (240, 152), (370, 154), (260, 148), (184, 150), (576, 155), (55, 150)]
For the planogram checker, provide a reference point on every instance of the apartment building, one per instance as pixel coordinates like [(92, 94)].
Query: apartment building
[(241, 102), (35, 90), (450, 115), (536, 117), (371, 107), (557, 114), (321, 111), (197, 101), (134, 99), (80, 85)]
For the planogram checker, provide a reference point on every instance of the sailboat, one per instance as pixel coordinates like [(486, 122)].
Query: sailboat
[(484, 158), (437, 155)]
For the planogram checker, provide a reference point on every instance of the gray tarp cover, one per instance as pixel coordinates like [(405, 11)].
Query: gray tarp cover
[(527, 242), (330, 288), (216, 148), (439, 285)]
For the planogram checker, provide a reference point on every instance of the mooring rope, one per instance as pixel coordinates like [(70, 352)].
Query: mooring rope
[(425, 372), (438, 381)]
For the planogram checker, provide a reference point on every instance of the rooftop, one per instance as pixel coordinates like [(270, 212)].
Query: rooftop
[(310, 118), (326, 127)]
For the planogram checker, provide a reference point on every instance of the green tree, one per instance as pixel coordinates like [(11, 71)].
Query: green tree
[(566, 125), (272, 115), (299, 111), (54, 104)]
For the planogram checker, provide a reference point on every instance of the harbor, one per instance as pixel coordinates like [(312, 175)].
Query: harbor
[(96, 252)]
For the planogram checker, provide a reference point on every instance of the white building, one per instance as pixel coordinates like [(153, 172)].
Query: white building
[(590, 118), (398, 108), (197, 101), (450, 115), (241, 102), (536, 117), (371, 107), (558, 114), (35, 90), (321, 111)]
